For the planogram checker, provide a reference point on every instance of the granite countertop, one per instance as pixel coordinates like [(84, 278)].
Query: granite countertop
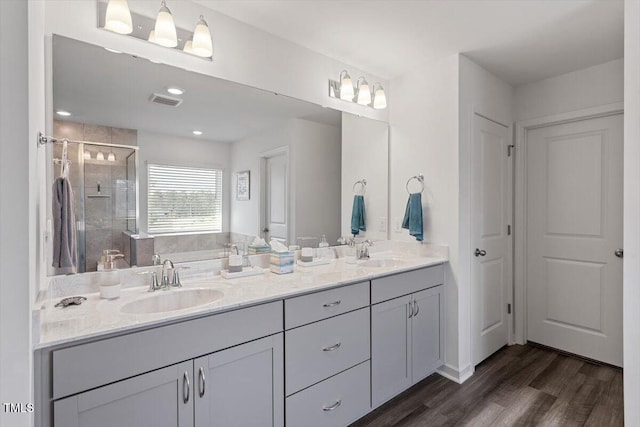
[(98, 317)]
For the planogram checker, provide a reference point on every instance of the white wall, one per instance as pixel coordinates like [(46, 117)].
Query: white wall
[(15, 213), (242, 53), (365, 155), (314, 182), (631, 272), (424, 139), (480, 92), (179, 151), (598, 85)]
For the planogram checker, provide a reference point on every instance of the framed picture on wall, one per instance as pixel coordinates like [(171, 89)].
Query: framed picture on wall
[(243, 185)]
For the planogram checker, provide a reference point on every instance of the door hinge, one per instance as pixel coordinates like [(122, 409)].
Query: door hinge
[(509, 148), (508, 308), (508, 230)]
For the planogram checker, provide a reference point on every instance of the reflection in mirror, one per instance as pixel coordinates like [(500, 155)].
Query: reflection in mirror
[(238, 161)]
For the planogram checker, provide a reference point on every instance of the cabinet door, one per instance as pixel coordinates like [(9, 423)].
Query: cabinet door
[(390, 349), (162, 398), (426, 333), (242, 386)]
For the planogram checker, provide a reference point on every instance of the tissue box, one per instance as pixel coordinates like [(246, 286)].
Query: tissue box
[(259, 249), (282, 262)]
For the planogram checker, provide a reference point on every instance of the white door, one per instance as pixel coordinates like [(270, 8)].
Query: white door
[(276, 207), (574, 227), (491, 248)]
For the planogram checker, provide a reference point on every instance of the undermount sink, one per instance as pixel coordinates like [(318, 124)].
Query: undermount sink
[(381, 262), (172, 300)]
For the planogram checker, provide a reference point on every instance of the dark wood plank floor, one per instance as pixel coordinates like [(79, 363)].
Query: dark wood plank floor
[(517, 386)]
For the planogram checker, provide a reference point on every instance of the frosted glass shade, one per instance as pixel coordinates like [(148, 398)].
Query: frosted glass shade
[(346, 88), (152, 36), (118, 17), (165, 29), (379, 99), (202, 44), (111, 157), (364, 93), (188, 47), (100, 156)]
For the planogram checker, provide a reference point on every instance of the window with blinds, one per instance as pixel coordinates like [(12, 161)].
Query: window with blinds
[(184, 199)]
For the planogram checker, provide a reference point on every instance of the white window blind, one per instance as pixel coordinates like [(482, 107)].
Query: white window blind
[(183, 199)]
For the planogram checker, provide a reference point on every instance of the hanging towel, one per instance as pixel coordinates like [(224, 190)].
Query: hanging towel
[(64, 227), (358, 218), (413, 216)]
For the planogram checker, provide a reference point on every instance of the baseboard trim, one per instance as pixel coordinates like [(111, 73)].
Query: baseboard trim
[(453, 374)]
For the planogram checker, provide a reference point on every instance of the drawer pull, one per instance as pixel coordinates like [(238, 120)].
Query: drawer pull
[(332, 304), (332, 348), (332, 407)]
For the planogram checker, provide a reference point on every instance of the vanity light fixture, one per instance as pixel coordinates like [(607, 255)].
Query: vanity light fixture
[(175, 90), (111, 157), (118, 17), (197, 132), (364, 92), (188, 47), (63, 113), (346, 86), (202, 44), (379, 97), (165, 29), (100, 156), (87, 155)]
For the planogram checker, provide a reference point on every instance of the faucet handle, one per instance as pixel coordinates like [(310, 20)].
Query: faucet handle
[(153, 284)]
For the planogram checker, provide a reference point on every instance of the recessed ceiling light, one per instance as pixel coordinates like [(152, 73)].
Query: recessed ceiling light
[(112, 50), (197, 132), (63, 113), (175, 90)]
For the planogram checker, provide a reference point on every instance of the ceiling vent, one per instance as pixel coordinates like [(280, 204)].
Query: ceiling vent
[(169, 101)]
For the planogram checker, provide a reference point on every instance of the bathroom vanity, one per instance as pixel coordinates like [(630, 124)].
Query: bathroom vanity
[(312, 348)]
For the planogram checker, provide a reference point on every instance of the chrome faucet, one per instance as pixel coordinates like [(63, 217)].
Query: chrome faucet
[(363, 251), (167, 266)]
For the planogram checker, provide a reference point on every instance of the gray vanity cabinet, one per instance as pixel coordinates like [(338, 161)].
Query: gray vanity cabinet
[(162, 398), (406, 332), (242, 386)]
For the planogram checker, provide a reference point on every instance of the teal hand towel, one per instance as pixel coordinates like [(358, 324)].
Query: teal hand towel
[(413, 216), (358, 218)]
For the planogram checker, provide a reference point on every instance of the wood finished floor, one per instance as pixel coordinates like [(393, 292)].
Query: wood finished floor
[(517, 386)]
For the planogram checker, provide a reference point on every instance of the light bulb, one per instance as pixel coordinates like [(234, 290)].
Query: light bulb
[(152, 36), (346, 87), (165, 29), (364, 93), (379, 97), (118, 17), (100, 156), (202, 44), (111, 157), (188, 47), (87, 155)]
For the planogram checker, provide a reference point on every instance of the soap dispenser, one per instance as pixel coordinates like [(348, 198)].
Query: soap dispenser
[(323, 248)]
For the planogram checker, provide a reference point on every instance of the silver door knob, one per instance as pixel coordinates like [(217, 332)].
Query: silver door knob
[(619, 253), (480, 252)]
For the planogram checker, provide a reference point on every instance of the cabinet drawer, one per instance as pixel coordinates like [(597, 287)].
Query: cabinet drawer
[(90, 365), (320, 305), (390, 287), (336, 401), (317, 351)]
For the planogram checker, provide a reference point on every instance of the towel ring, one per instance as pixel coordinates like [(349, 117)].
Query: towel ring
[(363, 187), (419, 178)]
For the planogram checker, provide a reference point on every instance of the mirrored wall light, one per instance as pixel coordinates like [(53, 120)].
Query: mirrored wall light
[(87, 155), (111, 157), (118, 17), (202, 44), (364, 92), (165, 29), (346, 86), (379, 97), (100, 156)]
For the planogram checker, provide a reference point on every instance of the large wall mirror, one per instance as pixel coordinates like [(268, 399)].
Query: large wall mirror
[(168, 161)]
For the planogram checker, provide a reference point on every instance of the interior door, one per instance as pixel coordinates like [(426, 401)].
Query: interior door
[(276, 214), (574, 227), (490, 238)]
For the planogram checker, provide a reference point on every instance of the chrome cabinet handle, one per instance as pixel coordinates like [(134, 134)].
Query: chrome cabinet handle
[(480, 252), (416, 308), (186, 387), (619, 253), (332, 407), (333, 347), (332, 304), (410, 309), (202, 381)]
